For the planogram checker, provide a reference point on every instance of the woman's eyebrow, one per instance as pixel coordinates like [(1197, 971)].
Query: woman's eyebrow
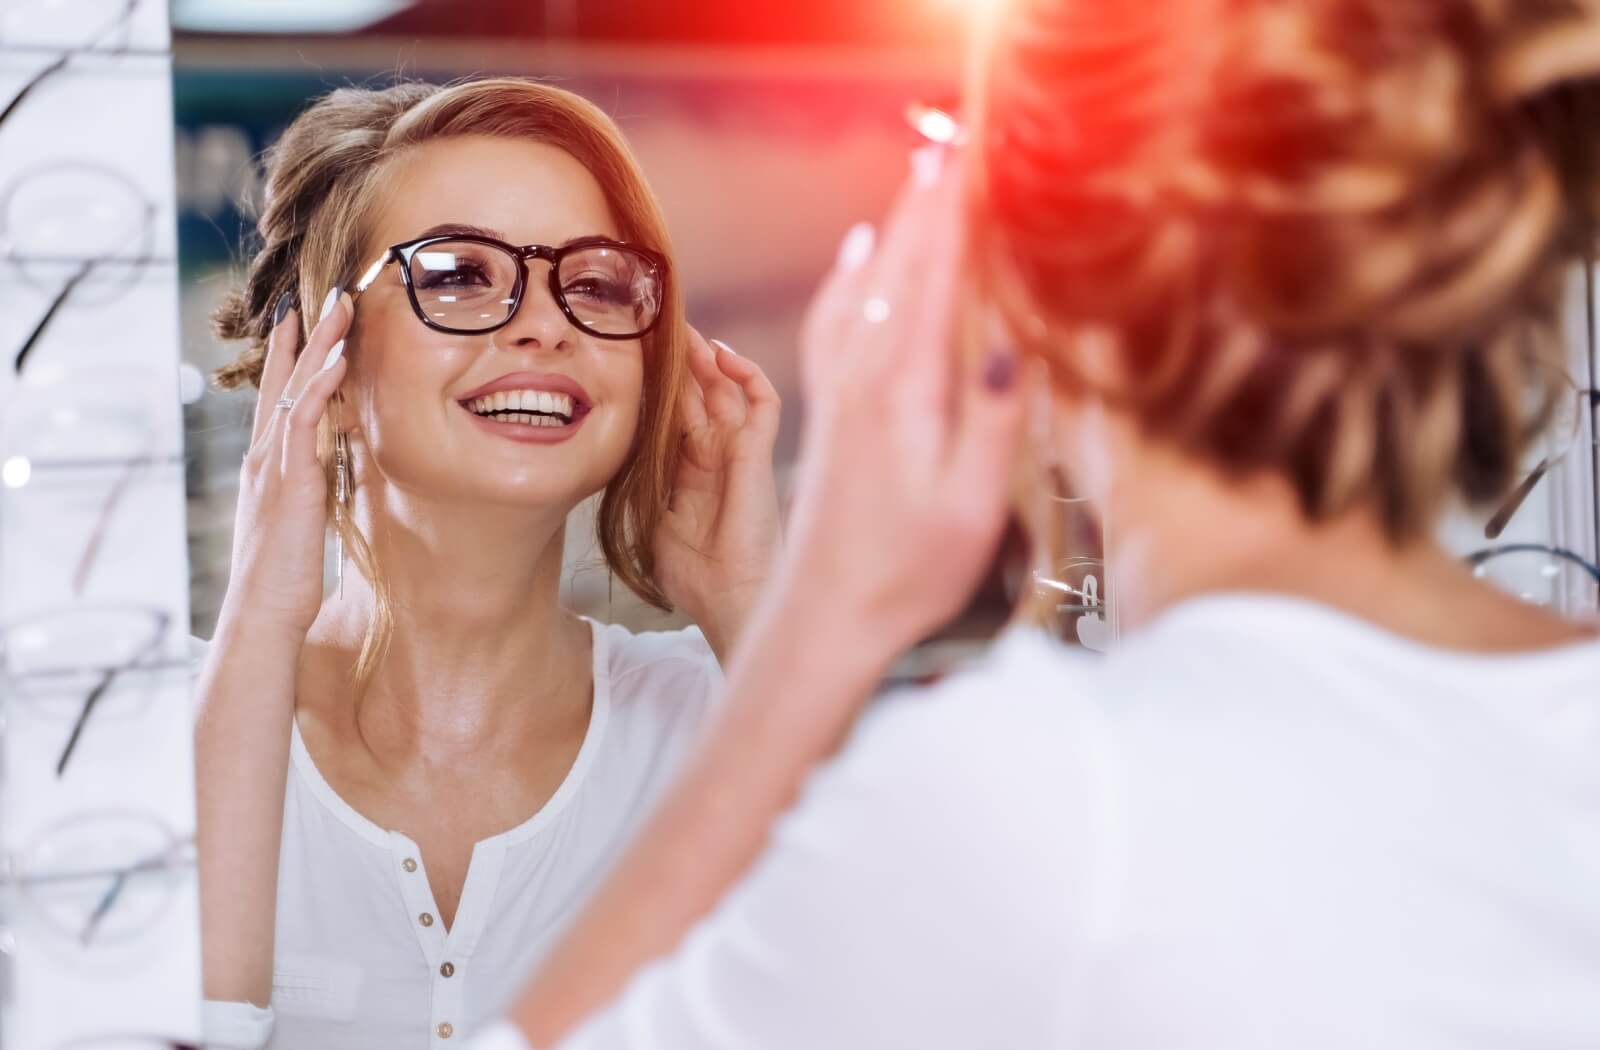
[(461, 228)]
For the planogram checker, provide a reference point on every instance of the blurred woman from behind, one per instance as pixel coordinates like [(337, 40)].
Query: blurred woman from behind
[(1292, 275)]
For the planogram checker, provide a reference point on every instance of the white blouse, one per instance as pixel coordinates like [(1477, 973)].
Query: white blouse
[(1259, 824), (362, 962)]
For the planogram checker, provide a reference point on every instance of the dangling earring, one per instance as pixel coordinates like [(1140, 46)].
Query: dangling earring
[(341, 497)]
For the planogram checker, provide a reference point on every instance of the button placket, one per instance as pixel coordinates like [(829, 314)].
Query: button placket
[(423, 914)]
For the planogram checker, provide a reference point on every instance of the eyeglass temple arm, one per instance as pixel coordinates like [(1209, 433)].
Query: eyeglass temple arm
[(373, 271), (1513, 503), (99, 691), (155, 862), (49, 315), (1502, 517)]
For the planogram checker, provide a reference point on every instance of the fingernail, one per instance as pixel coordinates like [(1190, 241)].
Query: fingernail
[(334, 353), (856, 248), (328, 301), (1000, 371), (726, 347), (285, 304), (926, 164)]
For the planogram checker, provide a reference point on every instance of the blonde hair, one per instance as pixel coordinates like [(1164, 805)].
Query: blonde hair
[(326, 177), (1324, 238)]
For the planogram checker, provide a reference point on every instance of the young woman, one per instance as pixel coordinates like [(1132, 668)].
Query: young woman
[(1292, 272), (407, 786)]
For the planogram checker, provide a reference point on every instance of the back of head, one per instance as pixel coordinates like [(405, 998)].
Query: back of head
[(1325, 238)]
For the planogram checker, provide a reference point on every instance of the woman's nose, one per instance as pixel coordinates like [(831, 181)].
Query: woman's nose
[(538, 321)]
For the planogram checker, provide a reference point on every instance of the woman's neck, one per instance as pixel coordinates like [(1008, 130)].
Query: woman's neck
[(480, 649)]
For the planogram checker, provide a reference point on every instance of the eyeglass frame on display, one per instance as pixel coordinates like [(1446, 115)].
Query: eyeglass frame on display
[(404, 252), (130, 8), (1479, 557), (162, 622), (128, 467), (86, 264), (178, 855), (1589, 400), (1477, 560)]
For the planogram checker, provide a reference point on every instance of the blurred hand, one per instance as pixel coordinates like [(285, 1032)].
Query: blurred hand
[(903, 483), (717, 544), (281, 521)]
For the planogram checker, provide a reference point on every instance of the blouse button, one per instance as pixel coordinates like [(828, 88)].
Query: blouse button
[(425, 919), (409, 864), (448, 969), (446, 1029)]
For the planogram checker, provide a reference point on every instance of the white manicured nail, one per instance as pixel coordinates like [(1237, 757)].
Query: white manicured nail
[(333, 355), (856, 248), (328, 301), (926, 164), (726, 347)]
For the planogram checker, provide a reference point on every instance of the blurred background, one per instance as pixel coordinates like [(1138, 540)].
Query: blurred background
[(767, 130)]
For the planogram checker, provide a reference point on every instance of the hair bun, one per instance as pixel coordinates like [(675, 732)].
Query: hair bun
[(1327, 235)]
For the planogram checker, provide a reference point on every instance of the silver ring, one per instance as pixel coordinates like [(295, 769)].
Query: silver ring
[(285, 402), (875, 310)]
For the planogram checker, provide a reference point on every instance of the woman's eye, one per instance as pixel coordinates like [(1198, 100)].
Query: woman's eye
[(595, 288), (462, 276)]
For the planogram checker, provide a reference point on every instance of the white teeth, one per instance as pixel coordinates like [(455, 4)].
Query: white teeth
[(518, 406)]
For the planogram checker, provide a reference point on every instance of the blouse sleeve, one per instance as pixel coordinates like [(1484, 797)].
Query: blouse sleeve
[(922, 893), (236, 1026)]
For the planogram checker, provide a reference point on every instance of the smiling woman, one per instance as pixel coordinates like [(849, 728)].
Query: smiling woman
[(407, 785)]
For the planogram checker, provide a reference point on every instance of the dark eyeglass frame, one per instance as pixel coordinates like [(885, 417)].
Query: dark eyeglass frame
[(403, 254)]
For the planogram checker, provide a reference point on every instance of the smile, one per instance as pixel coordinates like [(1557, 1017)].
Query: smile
[(538, 408), (529, 407)]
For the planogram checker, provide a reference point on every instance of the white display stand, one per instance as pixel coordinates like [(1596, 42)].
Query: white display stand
[(99, 912)]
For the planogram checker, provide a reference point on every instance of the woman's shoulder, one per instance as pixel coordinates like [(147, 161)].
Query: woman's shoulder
[(630, 653), (1016, 687), (672, 669)]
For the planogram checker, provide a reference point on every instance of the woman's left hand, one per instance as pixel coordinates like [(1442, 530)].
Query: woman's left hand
[(717, 544)]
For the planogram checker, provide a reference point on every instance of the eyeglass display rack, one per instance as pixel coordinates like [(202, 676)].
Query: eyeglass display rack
[(99, 903)]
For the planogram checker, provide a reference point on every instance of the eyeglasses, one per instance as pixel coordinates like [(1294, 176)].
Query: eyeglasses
[(1541, 575), (64, 223), (78, 438), (95, 886), (65, 28), (65, 665), (100, 880), (470, 284)]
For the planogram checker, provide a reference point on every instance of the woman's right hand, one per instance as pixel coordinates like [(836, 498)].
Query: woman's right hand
[(280, 525), (902, 488)]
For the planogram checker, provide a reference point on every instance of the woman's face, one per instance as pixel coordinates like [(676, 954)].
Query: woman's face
[(409, 392)]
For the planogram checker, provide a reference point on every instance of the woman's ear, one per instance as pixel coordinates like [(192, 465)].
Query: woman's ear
[(340, 414)]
